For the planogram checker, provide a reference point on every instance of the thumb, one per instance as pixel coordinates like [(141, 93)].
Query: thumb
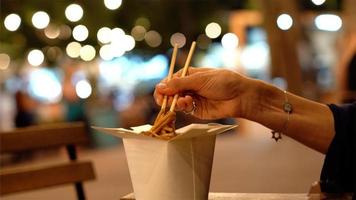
[(177, 85)]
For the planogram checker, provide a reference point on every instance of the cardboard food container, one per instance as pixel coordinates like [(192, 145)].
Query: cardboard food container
[(175, 169)]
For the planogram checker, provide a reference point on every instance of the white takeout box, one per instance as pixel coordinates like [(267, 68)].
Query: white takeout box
[(175, 169)]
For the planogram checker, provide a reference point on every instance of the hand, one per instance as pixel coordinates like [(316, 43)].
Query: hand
[(218, 93)]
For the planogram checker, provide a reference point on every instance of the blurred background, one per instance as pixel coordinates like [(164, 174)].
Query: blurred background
[(98, 61)]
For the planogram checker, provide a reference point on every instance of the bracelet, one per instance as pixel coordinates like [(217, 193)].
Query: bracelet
[(288, 108)]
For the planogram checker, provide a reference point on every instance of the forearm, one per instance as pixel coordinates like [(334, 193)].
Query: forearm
[(310, 123)]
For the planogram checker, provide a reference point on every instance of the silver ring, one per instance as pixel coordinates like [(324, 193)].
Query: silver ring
[(193, 109)]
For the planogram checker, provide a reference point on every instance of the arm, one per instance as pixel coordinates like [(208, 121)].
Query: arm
[(223, 93), (310, 123)]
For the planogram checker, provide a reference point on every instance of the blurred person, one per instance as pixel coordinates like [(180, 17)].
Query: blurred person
[(75, 106), (347, 68), (25, 110), (330, 129)]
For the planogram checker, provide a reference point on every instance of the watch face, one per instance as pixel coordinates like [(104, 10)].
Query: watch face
[(287, 107)]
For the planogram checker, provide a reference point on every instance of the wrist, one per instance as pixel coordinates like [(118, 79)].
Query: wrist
[(250, 99), (263, 98)]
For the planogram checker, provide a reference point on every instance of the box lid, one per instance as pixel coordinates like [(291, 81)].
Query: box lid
[(190, 131)]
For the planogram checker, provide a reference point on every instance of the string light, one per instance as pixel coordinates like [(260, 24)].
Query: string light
[(52, 31), (74, 12), (328, 22), (12, 22), (203, 41), (105, 52), (40, 20), (112, 4), (179, 39), (117, 49), (143, 21), (117, 35), (35, 57), (64, 32), (73, 49), (318, 2), (284, 22), (104, 35), (87, 53), (80, 33), (4, 61), (128, 42), (83, 89), (230, 41), (153, 38), (138, 32), (213, 30)]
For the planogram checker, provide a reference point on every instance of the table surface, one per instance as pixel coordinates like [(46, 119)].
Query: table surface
[(257, 196)]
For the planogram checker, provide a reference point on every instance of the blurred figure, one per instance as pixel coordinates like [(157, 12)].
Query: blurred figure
[(347, 69), (75, 107), (25, 110)]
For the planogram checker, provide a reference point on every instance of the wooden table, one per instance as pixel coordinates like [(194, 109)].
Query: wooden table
[(257, 196)]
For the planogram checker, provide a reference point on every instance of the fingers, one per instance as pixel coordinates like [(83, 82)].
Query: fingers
[(192, 70), (192, 82), (185, 103), (176, 85)]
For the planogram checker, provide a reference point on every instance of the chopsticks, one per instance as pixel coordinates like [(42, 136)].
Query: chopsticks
[(185, 70), (163, 126), (169, 77)]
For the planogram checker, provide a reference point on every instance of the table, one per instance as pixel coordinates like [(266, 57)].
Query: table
[(259, 196)]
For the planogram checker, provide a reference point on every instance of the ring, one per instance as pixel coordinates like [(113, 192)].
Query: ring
[(193, 109)]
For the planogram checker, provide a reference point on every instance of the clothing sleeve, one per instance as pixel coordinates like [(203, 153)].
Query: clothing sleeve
[(338, 173)]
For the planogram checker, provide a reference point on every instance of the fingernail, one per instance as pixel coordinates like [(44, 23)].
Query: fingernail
[(162, 86)]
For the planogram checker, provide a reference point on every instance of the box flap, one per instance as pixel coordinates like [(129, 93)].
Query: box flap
[(190, 131)]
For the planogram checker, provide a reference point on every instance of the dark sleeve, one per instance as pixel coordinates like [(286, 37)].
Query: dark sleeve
[(338, 173)]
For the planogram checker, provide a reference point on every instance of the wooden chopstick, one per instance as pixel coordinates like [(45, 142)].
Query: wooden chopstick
[(170, 74), (184, 72)]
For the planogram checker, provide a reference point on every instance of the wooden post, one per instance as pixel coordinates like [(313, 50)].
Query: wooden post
[(283, 44)]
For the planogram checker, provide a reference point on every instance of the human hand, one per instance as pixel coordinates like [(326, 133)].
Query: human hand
[(217, 93)]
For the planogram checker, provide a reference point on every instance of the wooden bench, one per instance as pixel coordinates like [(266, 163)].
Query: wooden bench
[(66, 135)]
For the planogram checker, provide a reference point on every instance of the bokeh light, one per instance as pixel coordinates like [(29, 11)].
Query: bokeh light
[(40, 20), (128, 42), (52, 53), (74, 12), (112, 4), (153, 38), (203, 41), (105, 52), (143, 21), (12, 22), (117, 50), (328, 22), (117, 35), (87, 53), (52, 31), (284, 22), (138, 32), (35, 57), (45, 86), (179, 39), (104, 35), (73, 49), (4, 61), (83, 89), (65, 32), (230, 41), (80, 33), (213, 30), (318, 2)]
